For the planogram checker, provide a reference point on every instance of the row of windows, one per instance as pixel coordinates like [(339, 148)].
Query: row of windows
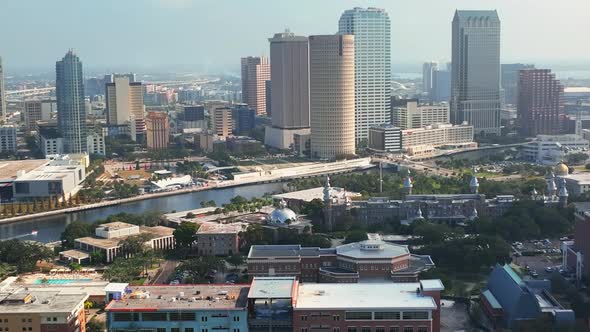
[(392, 315), (368, 329), (162, 329), (163, 316)]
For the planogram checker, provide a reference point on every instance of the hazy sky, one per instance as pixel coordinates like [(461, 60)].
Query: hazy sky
[(214, 34)]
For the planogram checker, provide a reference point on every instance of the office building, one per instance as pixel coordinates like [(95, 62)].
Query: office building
[(441, 85), (3, 109), (181, 308), (7, 138), (513, 303), (361, 307), (124, 105), (71, 112), (413, 115), (157, 130), (217, 239), (96, 144), (244, 119), (428, 69), (222, 121), (423, 141), (509, 80), (38, 110), (475, 95), (385, 139), (332, 95), (540, 103), (289, 55), (194, 113), (107, 237), (372, 66), (348, 263), (255, 73), (36, 309)]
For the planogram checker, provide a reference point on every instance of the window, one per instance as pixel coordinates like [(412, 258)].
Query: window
[(182, 316), (379, 329), (359, 315), (303, 318), (236, 318), (412, 315), (203, 319), (49, 319), (55, 319), (155, 317), (125, 317), (303, 329), (366, 329), (175, 329), (236, 330), (30, 328), (30, 320), (408, 329), (24, 328), (23, 320), (352, 329), (422, 329), (336, 329), (189, 329), (336, 317), (387, 315), (394, 329), (161, 329)]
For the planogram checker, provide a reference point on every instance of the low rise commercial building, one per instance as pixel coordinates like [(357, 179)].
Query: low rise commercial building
[(42, 310), (424, 140), (108, 236), (385, 139), (369, 259), (216, 239), (413, 115), (552, 149), (511, 302), (196, 308), (95, 144)]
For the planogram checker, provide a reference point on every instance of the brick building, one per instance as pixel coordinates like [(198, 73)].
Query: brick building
[(369, 259), (540, 102)]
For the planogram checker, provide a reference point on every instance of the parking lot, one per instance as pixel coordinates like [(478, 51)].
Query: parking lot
[(538, 258)]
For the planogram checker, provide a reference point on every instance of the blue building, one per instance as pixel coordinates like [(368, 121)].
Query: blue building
[(511, 302), (244, 118), (194, 113), (71, 112), (183, 308)]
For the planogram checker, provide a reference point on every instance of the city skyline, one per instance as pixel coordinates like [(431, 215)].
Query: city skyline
[(179, 17)]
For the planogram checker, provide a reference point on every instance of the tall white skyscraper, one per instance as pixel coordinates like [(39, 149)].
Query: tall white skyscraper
[(475, 85), (372, 60), (2, 94)]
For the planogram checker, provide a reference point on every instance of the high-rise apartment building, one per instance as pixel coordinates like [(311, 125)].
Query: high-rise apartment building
[(124, 102), (475, 94), (372, 60), (289, 55), (428, 69), (509, 80), (2, 93), (413, 115), (255, 73), (71, 114), (540, 102), (331, 81), (222, 121), (157, 130)]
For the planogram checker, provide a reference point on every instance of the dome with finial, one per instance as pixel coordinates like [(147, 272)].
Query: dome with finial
[(474, 183), (562, 189), (473, 213), (419, 214), (327, 189), (561, 169), (408, 181), (281, 215)]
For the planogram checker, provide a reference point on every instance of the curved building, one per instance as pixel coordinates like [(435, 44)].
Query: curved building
[(331, 62)]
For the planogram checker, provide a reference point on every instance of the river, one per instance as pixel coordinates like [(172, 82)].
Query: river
[(49, 229)]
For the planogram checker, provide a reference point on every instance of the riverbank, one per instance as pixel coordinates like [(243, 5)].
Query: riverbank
[(243, 179)]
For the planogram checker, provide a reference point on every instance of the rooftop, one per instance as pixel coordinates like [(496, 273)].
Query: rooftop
[(217, 228), (363, 296), (272, 288), (8, 169), (372, 249), (115, 225), (186, 297), (156, 232), (315, 193), (42, 301)]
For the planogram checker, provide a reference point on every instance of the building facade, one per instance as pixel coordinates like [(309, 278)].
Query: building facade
[(255, 73), (441, 85), (96, 144), (222, 121), (157, 130), (414, 115), (215, 239), (552, 149), (7, 138), (428, 69), (422, 140), (244, 118), (475, 94), (385, 139), (71, 112), (540, 103), (372, 66), (332, 96), (124, 104), (2, 93), (37, 110), (509, 81), (289, 55)]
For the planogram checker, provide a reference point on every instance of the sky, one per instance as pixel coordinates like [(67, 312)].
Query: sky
[(212, 35)]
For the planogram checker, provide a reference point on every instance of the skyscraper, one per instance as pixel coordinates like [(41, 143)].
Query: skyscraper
[(331, 82), (441, 84), (540, 102), (428, 69), (372, 60), (509, 80), (157, 130), (71, 114), (2, 93), (475, 94), (255, 73), (289, 55), (124, 100), (222, 121)]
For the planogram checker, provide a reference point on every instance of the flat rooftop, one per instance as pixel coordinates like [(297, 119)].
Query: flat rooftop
[(115, 225), (264, 251), (44, 301), (581, 178), (155, 231), (315, 193), (362, 296), (272, 288), (8, 169), (185, 297), (372, 249), (217, 228)]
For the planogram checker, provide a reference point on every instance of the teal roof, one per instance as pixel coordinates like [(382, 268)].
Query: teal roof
[(517, 279), (492, 299)]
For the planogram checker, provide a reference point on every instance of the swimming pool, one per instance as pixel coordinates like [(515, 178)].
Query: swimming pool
[(60, 281)]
